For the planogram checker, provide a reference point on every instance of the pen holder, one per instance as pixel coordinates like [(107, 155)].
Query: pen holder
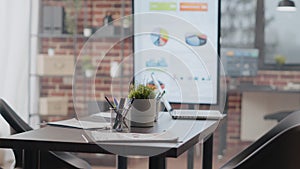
[(119, 120), (159, 108)]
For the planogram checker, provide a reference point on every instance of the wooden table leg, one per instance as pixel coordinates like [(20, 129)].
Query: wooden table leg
[(208, 153), (122, 162), (31, 159), (157, 162)]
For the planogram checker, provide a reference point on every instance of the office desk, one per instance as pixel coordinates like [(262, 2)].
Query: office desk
[(71, 140)]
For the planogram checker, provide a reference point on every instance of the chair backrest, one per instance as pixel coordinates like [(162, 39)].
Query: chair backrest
[(53, 159), (278, 148), (15, 123), (12, 118)]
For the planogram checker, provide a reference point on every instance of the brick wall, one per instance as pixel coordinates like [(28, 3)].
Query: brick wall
[(276, 79), (92, 16), (89, 15)]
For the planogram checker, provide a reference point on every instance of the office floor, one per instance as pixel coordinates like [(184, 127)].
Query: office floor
[(180, 162)]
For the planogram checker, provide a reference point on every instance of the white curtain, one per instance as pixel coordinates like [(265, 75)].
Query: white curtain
[(14, 59)]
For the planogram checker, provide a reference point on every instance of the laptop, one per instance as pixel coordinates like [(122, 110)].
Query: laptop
[(195, 114), (188, 113)]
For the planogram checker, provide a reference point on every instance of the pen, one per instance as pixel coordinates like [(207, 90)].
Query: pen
[(111, 105), (116, 103), (127, 110), (157, 95), (121, 104), (160, 96), (85, 139)]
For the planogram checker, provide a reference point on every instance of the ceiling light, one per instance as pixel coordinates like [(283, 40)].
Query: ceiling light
[(286, 5)]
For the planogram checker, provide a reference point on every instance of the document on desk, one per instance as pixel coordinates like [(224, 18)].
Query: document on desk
[(74, 123), (116, 137)]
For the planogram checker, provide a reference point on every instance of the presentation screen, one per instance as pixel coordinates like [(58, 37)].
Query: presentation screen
[(177, 41)]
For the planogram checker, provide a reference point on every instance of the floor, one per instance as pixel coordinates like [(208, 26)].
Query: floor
[(180, 162), (108, 161)]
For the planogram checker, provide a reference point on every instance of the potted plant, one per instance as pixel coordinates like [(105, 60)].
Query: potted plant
[(87, 66), (280, 60), (144, 106), (71, 16)]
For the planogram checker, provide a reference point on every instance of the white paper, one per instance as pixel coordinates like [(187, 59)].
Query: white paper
[(133, 137), (80, 124)]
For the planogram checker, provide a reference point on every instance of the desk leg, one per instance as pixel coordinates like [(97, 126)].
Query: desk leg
[(31, 159), (222, 138), (157, 162), (122, 162), (190, 158), (208, 153)]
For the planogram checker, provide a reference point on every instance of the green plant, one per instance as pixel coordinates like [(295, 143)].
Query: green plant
[(141, 92), (280, 59), (72, 8), (87, 63)]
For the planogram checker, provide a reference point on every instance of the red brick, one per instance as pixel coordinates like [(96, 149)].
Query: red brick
[(44, 80), (103, 6), (56, 80), (287, 76), (48, 86), (280, 83), (270, 76), (262, 83), (65, 87), (53, 93)]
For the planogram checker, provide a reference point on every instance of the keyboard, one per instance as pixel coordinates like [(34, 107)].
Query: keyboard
[(197, 114)]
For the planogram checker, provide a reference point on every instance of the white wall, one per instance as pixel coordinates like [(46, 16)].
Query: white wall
[(14, 58), (255, 105)]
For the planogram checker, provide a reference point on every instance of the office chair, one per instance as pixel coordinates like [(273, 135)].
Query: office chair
[(49, 160), (278, 148)]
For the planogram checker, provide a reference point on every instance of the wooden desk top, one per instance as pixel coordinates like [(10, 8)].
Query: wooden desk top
[(71, 140)]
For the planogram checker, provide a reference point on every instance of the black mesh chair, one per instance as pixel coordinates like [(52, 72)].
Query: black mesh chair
[(278, 148), (49, 160)]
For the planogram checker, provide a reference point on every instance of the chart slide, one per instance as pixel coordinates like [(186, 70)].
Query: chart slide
[(178, 41)]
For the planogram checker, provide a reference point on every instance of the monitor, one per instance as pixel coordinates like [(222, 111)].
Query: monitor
[(239, 62), (178, 41)]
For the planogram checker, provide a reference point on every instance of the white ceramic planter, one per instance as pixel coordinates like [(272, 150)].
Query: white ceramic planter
[(143, 113), (89, 73)]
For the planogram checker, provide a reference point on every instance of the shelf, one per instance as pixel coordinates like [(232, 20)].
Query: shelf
[(72, 76), (66, 43), (38, 75), (253, 88), (48, 35)]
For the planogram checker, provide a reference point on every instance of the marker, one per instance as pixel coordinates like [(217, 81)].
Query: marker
[(166, 103), (160, 96)]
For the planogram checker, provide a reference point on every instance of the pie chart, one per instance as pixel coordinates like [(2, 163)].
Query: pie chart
[(159, 37), (196, 39)]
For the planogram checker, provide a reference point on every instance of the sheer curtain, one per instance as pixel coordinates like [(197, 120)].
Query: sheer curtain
[(15, 43)]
